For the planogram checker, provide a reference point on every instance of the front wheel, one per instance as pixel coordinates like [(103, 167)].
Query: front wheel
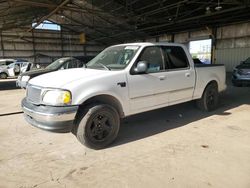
[(210, 98), (98, 126), (3, 75)]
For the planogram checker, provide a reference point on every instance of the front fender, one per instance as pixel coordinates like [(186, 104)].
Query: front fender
[(88, 94)]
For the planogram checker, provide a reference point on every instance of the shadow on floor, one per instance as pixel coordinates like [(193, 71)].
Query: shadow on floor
[(150, 123), (8, 84)]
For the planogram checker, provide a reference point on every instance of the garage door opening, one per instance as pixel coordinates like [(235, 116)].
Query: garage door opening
[(201, 49)]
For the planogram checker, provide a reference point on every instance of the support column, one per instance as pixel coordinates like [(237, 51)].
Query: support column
[(214, 40), (61, 43), (172, 38), (34, 46), (2, 46)]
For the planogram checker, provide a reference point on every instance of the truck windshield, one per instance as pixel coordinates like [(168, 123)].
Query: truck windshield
[(57, 64), (113, 58)]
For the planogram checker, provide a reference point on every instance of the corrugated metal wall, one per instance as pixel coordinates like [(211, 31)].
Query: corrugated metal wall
[(233, 45), (43, 46), (231, 57), (232, 42)]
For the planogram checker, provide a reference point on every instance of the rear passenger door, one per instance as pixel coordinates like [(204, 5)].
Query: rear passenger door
[(180, 75)]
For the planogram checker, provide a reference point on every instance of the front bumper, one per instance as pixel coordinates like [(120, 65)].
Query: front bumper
[(241, 80), (21, 84), (50, 118)]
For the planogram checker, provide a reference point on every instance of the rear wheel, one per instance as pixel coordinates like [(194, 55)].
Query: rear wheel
[(98, 126), (210, 98), (3, 75)]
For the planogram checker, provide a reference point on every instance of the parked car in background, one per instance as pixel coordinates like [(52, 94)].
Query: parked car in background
[(5, 62), (59, 64), (241, 74), (13, 69)]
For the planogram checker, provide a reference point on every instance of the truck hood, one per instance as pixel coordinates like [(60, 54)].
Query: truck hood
[(243, 66), (60, 78)]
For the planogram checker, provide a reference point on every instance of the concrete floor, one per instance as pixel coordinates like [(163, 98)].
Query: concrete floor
[(178, 146)]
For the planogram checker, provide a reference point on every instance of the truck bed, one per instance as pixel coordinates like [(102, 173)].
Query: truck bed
[(208, 65), (206, 73)]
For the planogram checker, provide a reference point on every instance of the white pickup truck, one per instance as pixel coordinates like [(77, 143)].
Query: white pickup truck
[(121, 81)]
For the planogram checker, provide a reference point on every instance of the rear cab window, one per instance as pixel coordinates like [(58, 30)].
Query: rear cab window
[(175, 58)]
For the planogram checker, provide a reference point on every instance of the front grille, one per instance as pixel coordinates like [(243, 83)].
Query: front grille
[(34, 94), (244, 71)]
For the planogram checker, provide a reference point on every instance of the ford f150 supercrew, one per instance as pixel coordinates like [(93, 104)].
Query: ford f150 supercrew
[(121, 81)]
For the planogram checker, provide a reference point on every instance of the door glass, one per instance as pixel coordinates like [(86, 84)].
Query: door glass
[(9, 62), (70, 64), (153, 57), (175, 57)]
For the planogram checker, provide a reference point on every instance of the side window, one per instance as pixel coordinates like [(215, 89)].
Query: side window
[(77, 63), (23, 64), (80, 64), (153, 56), (65, 65), (70, 64), (8, 62), (175, 57)]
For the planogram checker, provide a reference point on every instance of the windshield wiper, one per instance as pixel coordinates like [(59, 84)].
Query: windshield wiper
[(104, 66)]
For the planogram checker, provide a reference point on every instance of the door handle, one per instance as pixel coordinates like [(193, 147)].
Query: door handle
[(162, 77), (187, 74)]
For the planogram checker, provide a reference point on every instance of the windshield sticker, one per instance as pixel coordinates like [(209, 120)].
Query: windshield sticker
[(131, 47)]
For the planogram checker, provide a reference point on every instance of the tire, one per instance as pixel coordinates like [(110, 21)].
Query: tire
[(97, 126), (210, 98), (3, 75), (237, 85)]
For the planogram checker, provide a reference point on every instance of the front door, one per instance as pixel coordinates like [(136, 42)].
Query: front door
[(147, 91)]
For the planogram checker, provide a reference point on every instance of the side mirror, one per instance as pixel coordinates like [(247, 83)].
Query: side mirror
[(142, 67)]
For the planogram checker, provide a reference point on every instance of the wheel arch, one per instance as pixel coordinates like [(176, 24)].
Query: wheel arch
[(4, 74), (209, 83), (104, 99)]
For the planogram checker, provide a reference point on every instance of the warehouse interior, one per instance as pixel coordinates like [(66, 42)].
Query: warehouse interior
[(176, 146), (103, 23)]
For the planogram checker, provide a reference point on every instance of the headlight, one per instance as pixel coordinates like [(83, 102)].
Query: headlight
[(240, 71), (25, 78), (57, 97)]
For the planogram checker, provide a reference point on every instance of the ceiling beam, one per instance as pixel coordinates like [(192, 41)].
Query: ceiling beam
[(49, 15), (185, 20), (51, 6)]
